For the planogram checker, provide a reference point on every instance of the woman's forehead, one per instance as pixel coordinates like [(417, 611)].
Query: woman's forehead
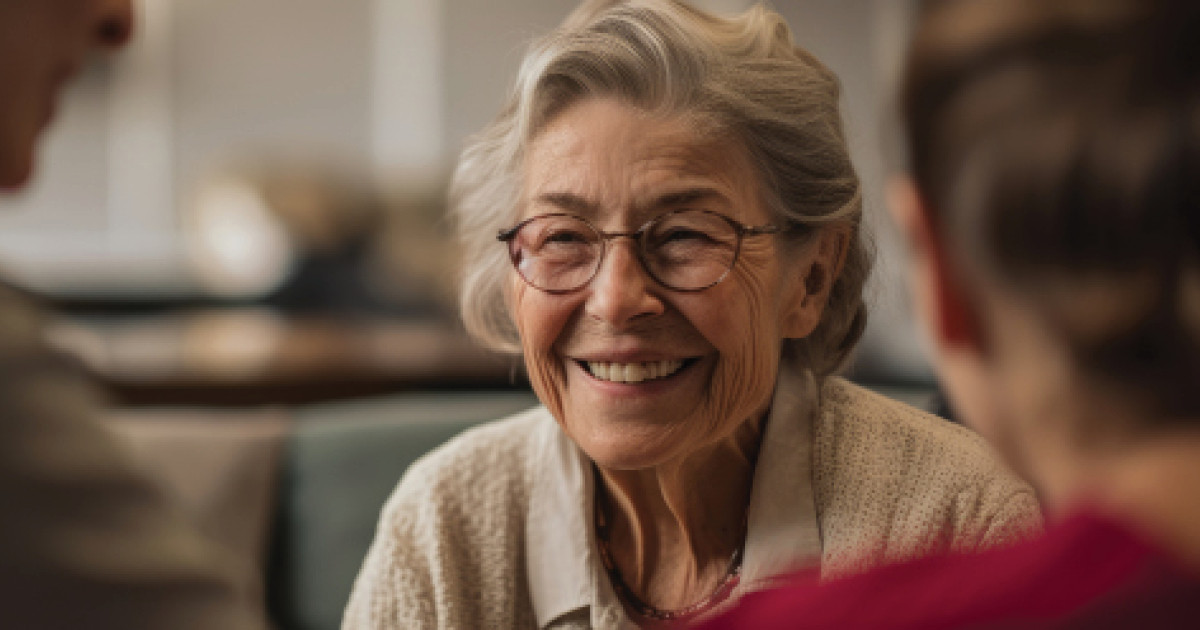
[(598, 126), (601, 153)]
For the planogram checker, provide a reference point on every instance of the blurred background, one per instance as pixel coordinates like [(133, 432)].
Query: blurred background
[(247, 205), (241, 222)]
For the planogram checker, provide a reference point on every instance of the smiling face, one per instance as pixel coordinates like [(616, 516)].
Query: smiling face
[(42, 43), (637, 374)]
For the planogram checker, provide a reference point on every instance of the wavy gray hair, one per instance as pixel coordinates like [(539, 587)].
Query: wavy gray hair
[(742, 74)]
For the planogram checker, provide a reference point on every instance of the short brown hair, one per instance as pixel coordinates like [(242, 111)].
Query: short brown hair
[(1057, 143)]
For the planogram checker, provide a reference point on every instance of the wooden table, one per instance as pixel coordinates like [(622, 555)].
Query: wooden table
[(252, 356)]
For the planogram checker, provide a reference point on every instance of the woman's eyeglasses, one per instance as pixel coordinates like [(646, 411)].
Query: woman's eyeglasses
[(683, 250)]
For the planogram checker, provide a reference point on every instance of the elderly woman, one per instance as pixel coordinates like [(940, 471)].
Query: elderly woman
[(679, 261)]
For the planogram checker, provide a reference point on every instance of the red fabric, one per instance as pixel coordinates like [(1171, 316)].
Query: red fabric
[(1087, 572)]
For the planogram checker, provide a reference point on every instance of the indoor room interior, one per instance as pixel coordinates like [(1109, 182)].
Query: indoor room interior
[(240, 222)]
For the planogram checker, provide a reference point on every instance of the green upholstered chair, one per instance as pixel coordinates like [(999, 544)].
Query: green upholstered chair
[(341, 461)]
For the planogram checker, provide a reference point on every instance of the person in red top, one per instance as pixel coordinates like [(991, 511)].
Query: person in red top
[(1052, 205)]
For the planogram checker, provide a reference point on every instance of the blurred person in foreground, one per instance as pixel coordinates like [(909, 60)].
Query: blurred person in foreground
[(1053, 209), (85, 542), (665, 221)]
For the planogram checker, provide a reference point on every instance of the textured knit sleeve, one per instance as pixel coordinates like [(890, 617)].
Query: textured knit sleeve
[(893, 483), (85, 540), (448, 552), (395, 588), (1017, 518)]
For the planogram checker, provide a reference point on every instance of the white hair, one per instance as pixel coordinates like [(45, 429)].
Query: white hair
[(741, 74)]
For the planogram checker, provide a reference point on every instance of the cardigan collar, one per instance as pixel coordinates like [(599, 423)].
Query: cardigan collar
[(783, 535)]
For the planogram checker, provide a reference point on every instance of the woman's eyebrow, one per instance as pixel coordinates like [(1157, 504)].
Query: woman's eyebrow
[(685, 197), (569, 202)]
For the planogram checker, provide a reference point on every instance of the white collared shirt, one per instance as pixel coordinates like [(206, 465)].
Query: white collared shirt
[(566, 576)]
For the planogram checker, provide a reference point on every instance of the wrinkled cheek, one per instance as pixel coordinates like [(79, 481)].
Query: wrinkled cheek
[(540, 325), (745, 375)]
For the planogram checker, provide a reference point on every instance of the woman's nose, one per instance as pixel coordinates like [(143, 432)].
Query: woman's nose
[(113, 25), (622, 291)]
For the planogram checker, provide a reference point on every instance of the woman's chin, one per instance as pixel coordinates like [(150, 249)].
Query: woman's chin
[(626, 446), (623, 426)]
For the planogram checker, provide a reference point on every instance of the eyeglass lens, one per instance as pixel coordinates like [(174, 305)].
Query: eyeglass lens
[(687, 250)]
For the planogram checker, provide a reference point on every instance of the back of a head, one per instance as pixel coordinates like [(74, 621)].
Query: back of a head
[(1057, 143)]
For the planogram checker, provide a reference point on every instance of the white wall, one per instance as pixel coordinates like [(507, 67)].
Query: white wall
[(207, 84)]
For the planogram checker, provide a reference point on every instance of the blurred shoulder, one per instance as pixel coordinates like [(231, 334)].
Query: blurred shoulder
[(23, 323), (48, 399)]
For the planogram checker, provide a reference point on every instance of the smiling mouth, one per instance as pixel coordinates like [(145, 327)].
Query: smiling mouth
[(634, 372)]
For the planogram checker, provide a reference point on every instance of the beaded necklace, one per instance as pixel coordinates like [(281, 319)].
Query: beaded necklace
[(649, 612)]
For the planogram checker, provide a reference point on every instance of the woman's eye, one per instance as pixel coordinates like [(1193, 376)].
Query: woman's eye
[(565, 237), (683, 235)]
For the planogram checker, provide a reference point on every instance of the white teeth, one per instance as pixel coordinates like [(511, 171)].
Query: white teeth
[(599, 370), (633, 372)]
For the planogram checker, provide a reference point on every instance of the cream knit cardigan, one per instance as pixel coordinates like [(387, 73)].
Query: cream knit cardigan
[(889, 482)]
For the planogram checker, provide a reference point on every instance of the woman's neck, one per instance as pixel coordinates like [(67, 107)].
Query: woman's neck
[(674, 528), (1151, 484), (1098, 454)]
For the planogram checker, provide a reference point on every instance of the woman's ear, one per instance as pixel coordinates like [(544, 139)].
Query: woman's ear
[(811, 288), (940, 300)]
